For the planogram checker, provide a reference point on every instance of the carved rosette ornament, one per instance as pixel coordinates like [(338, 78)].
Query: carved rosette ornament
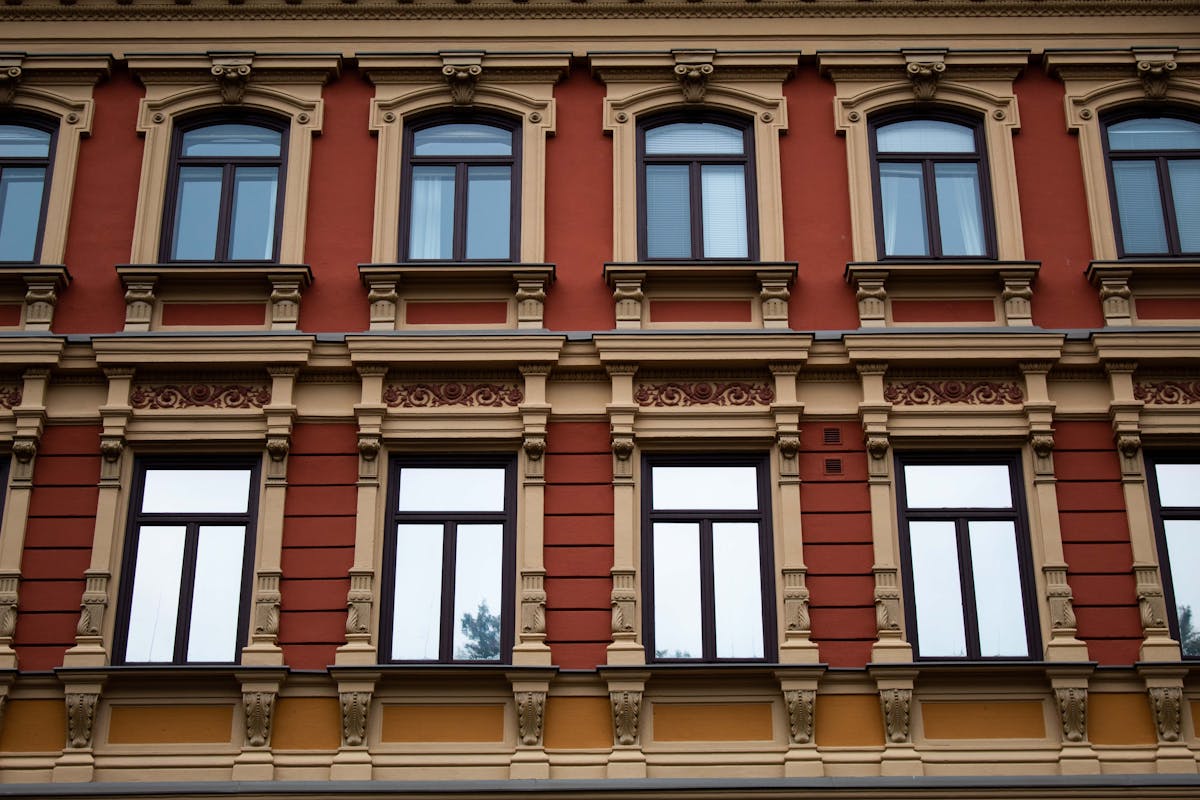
[(693, 80), (431, 395), (1072, 709), (1154, 74), (1167, 393), (1167, 704), (355, 706), (896, 705), (10, 396), (936, 393), (802, 711), (10, 78), (199, 395), (703, 393), (81, 715), (924, 77), (259, 707), (232, 80), (627, 709), (461, 78), (531, 707)]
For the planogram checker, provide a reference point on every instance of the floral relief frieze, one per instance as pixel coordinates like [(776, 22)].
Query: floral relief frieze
[(199, 395), (10, 396), (937, 393), (1168, 393), (431, 395), (703, 393)]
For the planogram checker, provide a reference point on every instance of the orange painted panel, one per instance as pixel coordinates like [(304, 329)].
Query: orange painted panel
[(814, 466), (214, 314), (1168, 308), (837, 528), (943, 311), (45, 627), (10, 314), (43, 596), (66, 532), (1108, 622), (33, 726), (700, 311), (1196, 717), (1018, 719), (462, 313), (577, 723), (56, 564), (321, 500), (64, 501), (712, 722), (316, 594), (190, 724), (848, 720), (307, 723), (1103, 590), (443, 723), (1120, 718)]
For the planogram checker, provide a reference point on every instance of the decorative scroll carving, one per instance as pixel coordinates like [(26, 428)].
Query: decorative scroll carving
[(703, 393), (358, 604), (8, 607), (924, 77), (795, 602), (266, 606), (1072, 709), (1154, 74), (93, 605), (232, 80), (1151, 603), (1168, 393), (936, 393), (355, 706), (801, 708), (531, 707), (10, 396), (896, 704), (81, 714), (461, 78), (533, 604), (1167, 703), (199, 395), (259, 707), (627, 709), (693, 80), (624, 604), (887, 602), (430, 395), (10, 78), (1059, 598)]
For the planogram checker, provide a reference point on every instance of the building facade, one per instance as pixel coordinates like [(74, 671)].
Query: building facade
[(600, 397)]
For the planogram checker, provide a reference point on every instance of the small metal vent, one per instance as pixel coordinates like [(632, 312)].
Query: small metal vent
[(833, 466), (833, 436)]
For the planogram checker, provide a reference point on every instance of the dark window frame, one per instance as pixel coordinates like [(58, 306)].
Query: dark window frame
[(449, 521), (47, 124), (762, 516), (748, 159), (927, 161), (1160, 158), (1153, 459), (228, 164), (1018, 513), (461, 164), (137, 518)]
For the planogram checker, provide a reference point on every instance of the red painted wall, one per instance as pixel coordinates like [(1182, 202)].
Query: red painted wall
[(58, 544), (318, 543), (579, 543)]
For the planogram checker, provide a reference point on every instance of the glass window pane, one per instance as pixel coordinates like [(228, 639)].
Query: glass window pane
[(20, 211), (451, 489), (960, 209), (737, 590), (232, 140), (668, 211), (677, 623), (197, 211), (998, 601), (1183, 551), (154, 609), (938, 595), (925, 136), (902, 196), (255, 191), (478, 600), (723, 200), (1178, 484), (1139, 207), (431, 223), (1185, 192), (217, 594), (463, 139), (957, 486), (694, 138), (196, 491), (19, 141), (1154, 133), (705, 488), (416, 617), (489, 209)]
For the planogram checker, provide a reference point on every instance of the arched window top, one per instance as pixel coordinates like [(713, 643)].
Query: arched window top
[(1154, 133), (695, 138), (231, 140), (24, 141), (925, 136), (463, 139)]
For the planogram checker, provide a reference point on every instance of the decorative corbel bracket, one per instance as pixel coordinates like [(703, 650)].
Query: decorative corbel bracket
[(627, 710), (462, 71), (924, 68), (693, 69), (231, 71), (1154, 68)]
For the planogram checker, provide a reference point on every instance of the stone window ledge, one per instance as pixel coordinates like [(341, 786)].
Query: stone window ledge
[(872, 281), (385, 284), (1121, 283), (285, 281), (629, 279), (42, 283)]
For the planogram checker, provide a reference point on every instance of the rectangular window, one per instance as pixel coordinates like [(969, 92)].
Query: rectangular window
[(188, 562), (450, 560), (25, 154), (1176, 503), (707, 559), (968, 585)]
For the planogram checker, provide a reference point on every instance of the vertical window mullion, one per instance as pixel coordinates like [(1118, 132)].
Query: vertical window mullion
[(1162, 168), (933, 223), (225, 212), (696, 204), (459, 223), (187, 587), (966, 570), (708, 612), (449, 567)]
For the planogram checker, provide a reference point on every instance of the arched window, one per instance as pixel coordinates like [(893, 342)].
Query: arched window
[(460, 200), (696, 189), (1154, 174), (26, 145), (931, 189), (225, 197)]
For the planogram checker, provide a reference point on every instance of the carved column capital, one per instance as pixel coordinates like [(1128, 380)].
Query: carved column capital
[(461, 78), (232, 77), (1154, 74)]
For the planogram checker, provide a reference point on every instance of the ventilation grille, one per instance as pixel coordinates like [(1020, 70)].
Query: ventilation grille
[(833, 466), (833, 435)]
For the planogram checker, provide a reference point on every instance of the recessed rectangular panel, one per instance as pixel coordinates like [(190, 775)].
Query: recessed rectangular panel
[(1178, 485), (451, 489), (957, 486), (938, 595), (196, 491), (737, 590), (478, 597), (416, 617), (217, 594), (677, 618), (715, 488), (1183, 550), (154, 608), (999, 607)]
